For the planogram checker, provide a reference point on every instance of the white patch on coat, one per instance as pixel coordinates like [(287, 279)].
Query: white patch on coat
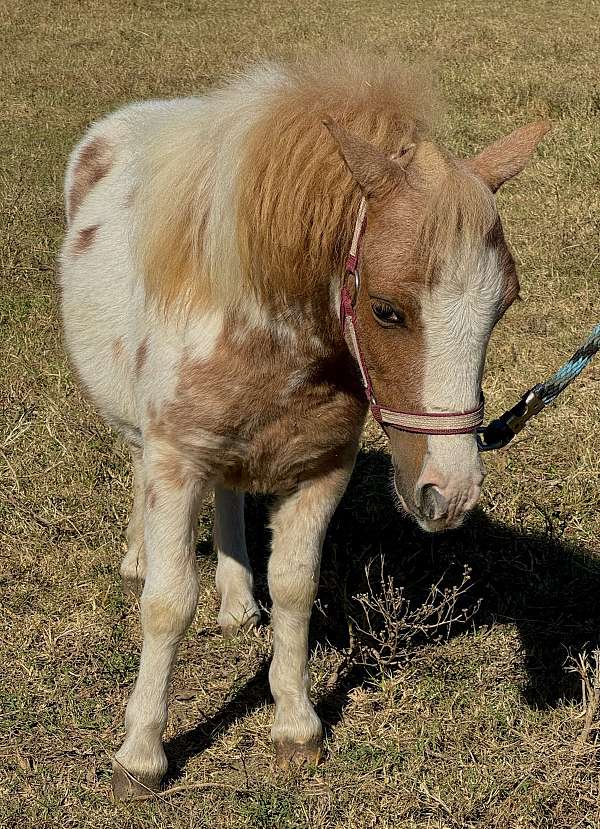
[(252, 315), (458, 316), (103, 298), (96, 287), (173, 345)]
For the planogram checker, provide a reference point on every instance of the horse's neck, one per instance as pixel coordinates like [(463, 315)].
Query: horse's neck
[(312, 321)]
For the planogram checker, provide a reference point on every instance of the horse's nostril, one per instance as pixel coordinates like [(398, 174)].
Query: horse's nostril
[(433, 503)]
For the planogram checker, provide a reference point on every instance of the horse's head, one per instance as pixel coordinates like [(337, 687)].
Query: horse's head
[(436, 276)]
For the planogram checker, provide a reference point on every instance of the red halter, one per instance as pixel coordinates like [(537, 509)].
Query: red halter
[(427, 423)]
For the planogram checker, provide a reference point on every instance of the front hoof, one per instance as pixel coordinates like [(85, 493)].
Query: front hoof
[(298, 754), (126, 786)]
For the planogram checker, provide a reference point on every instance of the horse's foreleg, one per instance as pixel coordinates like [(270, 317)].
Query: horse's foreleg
[(168, 605), (234, 580), (298, 524), (133, 566)]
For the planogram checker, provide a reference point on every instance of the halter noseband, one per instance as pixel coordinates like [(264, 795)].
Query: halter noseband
[(426, 423)]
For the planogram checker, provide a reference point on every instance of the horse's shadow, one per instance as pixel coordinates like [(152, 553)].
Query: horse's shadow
[(545, 586)]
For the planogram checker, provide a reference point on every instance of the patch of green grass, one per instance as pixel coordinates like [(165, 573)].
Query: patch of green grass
[(270, 808)]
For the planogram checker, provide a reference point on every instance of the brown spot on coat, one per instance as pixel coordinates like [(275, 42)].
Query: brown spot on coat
[(264, 431), (511, 287), (151, 496), (93, 163), (130, 198), (84, 240), (118, 348), (163, 617), (141, 355), (172, 471)]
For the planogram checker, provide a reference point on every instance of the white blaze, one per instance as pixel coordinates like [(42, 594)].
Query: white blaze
[(458, 316)]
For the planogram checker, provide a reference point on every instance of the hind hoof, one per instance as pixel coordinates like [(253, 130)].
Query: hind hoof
[(132, 587), (231, 626)]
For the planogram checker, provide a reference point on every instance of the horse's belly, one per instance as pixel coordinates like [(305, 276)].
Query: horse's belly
[(96, 305)]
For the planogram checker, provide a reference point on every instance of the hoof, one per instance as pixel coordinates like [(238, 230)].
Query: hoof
[(232, 627), (288, 753), (132, 587), (126, 787)]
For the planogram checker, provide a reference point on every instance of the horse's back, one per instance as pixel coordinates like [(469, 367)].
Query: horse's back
[(108, 154)]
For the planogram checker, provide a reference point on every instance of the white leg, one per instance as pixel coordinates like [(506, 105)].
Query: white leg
[(133, 566), (234, 576), (299, 524), (168, 605)]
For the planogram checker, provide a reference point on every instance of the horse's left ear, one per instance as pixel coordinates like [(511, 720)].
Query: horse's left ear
[(375, 173), (506, 157)]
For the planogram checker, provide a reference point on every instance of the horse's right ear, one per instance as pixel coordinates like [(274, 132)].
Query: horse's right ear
[(374, 172), (508, 156)]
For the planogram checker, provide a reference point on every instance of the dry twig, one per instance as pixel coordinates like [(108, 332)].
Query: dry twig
[(588, 669), (388, 625)]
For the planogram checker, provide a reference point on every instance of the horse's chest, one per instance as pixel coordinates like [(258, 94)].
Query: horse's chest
[(266, 423), (300, 438)]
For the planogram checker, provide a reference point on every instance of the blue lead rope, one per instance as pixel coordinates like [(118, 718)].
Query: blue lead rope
[(550, 390), (500, 432)]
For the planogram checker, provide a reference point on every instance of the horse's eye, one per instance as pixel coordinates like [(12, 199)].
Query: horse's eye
[(386, 315)]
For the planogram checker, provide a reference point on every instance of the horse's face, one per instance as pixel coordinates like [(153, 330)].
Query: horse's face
[(436, 275)]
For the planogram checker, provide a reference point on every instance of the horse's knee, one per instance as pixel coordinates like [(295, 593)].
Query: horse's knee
[(293, 586), (171, 613)]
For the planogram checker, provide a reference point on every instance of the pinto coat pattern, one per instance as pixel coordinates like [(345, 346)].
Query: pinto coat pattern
[(200, 277)]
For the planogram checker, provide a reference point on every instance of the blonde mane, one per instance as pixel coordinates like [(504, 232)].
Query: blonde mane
[(244, 191), (298, 202)]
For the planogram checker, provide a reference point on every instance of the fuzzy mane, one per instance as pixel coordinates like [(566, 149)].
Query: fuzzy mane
[(245, 190), (298, 202), (461, 212)]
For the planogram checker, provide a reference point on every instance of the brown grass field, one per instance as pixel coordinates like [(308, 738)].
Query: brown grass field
[(477, 727)]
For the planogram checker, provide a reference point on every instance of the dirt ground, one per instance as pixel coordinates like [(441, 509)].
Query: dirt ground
[(478, 727)]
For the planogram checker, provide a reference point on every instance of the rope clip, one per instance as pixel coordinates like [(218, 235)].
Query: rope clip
[(499, 433)]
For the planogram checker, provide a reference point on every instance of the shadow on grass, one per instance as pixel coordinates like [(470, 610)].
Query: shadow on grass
[(194, 741), (546, 587)]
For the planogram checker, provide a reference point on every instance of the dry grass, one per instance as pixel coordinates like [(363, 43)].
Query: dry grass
[(480, 729)]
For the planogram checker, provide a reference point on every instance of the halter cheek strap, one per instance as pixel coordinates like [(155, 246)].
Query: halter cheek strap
[(427, 423)]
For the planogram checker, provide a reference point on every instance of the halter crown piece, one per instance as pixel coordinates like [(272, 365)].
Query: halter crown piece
[(426, 423)]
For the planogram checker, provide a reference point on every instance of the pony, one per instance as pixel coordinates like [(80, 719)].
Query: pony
[(206, 251)]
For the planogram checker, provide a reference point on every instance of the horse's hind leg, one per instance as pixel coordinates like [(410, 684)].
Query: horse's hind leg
[(168, 605), (133, 566), (234, 580)]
